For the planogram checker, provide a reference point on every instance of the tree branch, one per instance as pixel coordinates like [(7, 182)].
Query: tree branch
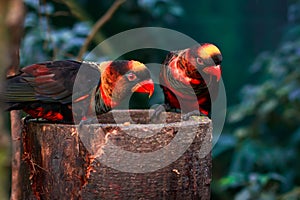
[(13, 23), (98, 25)]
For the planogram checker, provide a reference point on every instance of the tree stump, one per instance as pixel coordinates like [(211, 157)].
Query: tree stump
[(123, 157)]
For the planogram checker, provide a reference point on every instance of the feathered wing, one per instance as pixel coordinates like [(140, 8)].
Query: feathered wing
[(51, 82), (46, 89)]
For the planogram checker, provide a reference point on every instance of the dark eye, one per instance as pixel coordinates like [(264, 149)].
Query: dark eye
[(200, 61), (131, 76)]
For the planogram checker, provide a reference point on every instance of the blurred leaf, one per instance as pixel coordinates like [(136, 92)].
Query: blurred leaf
[(253, 185), (292, 195), (294, 94), (295, 138), (82, 28), (226, 142), (30, 20), (260, 62), (241, 133), (233, 180), (32, 3), (46, 8), (267, 107), (243, 195)]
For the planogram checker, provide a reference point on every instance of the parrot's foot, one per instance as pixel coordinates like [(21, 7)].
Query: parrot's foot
[(28, 118), (64, 122), (187, 116), (83, 124), (88, 121), (157, 112)]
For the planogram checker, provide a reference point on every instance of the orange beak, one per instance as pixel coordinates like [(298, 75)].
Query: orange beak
[(214, 71), (146, 86)]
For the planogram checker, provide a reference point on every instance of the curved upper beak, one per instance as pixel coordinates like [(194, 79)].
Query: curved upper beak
[(214, 71), (146, 86)]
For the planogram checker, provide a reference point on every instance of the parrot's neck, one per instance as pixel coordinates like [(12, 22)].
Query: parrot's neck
[(100, 106), (107, 100)]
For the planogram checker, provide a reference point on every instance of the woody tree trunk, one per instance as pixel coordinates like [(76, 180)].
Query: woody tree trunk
[(133, 159)]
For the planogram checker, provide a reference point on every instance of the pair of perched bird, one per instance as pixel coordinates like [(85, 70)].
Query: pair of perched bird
[(189, 79)]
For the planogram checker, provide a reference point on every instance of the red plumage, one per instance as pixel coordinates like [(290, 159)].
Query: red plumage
[(190, 78), (46, 90)]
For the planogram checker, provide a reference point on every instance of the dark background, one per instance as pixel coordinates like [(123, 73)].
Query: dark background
[(257, 154)]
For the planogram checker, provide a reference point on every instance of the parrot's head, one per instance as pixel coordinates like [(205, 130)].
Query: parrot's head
[(206, 59), (121, 78)]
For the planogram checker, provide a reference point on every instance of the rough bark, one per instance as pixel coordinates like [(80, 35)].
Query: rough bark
[(72, 162)]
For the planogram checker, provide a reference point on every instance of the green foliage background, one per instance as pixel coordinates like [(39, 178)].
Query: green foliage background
[(257, 154)]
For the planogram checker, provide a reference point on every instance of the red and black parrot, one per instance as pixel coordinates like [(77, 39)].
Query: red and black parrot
[(48, 90), (190, 79)]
